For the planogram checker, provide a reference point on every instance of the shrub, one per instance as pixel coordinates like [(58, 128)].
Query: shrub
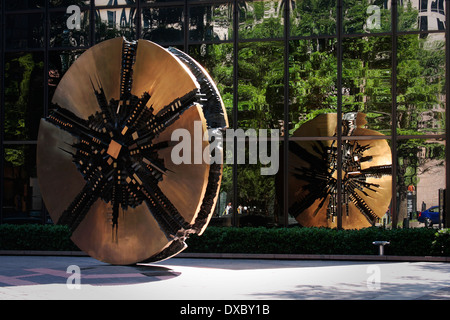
[(441, 243), (406, 242), (411, 242), (35, 237)]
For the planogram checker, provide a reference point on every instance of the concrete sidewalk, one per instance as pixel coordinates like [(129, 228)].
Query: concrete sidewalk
[(66, 277)]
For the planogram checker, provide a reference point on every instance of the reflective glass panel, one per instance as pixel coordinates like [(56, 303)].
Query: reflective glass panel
[(209, 23), (420, 175), (257, 203), (24, 31), (366, 80), (421, 15), (163, 25), (366, 16), (312, 17), (223, 212), (312, 80), (260, 19), (24, 4), (22, 202), (421, 84), (66, 32), (24, 95), (112, 23), (261, 85)]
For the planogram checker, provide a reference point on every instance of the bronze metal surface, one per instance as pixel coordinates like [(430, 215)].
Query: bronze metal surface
[(366, 175), (101, 62), (104, 153)]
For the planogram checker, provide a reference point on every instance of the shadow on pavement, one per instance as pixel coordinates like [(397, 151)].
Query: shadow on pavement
[(96, 275)]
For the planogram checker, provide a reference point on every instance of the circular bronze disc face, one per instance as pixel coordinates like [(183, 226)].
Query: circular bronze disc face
[(366, 174), (104, 156)]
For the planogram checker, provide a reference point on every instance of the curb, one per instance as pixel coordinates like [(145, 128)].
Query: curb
[(314, 257), (267, 256)]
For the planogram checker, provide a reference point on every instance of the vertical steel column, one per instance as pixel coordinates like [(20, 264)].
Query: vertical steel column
[(447, 114), (2, 105), (394, 209), (138, 20), (235, 109), (46, 47), (92, 24), (46, 71), (339, 29), (185, 26), (285, 203)]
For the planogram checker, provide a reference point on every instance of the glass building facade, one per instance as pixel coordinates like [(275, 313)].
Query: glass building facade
[(277, 63)]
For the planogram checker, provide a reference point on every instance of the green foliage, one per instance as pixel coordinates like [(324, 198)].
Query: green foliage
[(403, 242), (312, 17), (407, 17), (35, 237), (355, 16), (15, 156), (18, 73), (259, 20), (441, 243), (420, 75), (260, 90), (312, 74)]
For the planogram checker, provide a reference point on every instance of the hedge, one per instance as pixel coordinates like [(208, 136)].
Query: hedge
[(36, 237), (404, 242)]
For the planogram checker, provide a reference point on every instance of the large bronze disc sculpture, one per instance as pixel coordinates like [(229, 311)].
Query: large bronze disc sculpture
[(104, 152), (366, 174)]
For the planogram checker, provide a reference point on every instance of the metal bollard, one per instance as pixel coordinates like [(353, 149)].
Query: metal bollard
[(381, 244), (405, 223)]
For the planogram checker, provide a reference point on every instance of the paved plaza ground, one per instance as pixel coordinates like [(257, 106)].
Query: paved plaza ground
[(58, 277)]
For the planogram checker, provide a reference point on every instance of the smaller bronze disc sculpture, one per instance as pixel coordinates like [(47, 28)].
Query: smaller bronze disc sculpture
[(366, 174)]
